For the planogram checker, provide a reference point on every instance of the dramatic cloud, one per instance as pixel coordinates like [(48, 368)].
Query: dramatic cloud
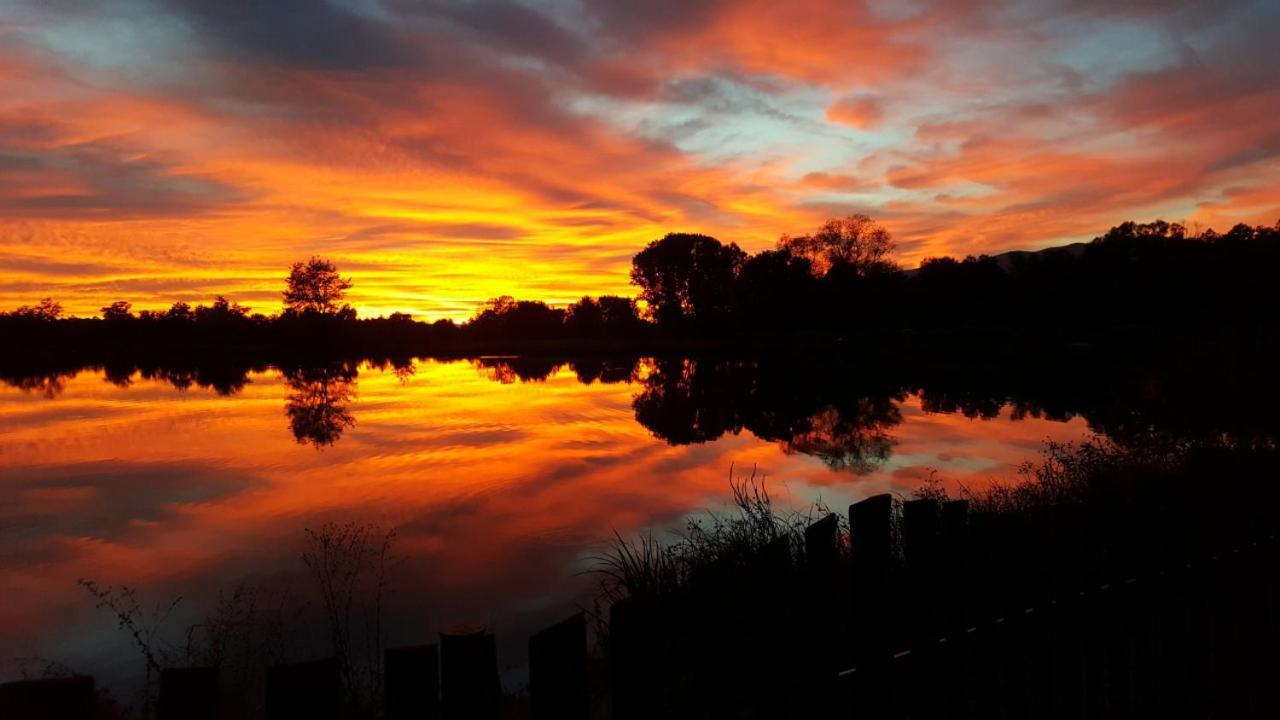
[(448, 151), (864, 113)]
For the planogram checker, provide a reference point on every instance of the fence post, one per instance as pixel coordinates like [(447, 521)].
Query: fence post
[(871, 547), (958, 609), (825, 626), (773, 673), (189, 694), (558, 671), (311, 690), (53, 699), (921, 545), (411, 683), (469, 686), (988, 546), (635, 641)]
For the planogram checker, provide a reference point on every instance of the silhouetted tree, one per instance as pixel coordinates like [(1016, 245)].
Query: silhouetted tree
[(1152, 276), (118, 311), (180, 312), (618, 313), (584, 319), (605, 316), (221, 311), (506, 317), (776, 292), (315, 287), (46, 310), (856, 241), (687, 279)]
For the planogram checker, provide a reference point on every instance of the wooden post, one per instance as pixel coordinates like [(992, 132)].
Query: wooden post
[(959, 653), (411, 680), (824, 625), (957, 570), (311, 690), (871, 547), (558, 671), (921, 540), (821, 550), (636, 649), (54, 699), (922, 550), (988, 571), (189, 694), (469, 686), (773, 673)]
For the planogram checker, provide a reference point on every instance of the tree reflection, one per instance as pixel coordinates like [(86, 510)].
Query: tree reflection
[(223, 378), (854, 437), (509, 370), (840, 409), (48, 385), (696, 401), (317, 402)]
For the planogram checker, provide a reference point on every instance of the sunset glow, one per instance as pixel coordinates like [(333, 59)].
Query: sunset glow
[(441, 153)]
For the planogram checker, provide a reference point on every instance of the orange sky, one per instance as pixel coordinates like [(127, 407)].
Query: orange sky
[(445, 152)]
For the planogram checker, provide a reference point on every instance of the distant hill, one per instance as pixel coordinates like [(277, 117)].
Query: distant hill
[(1006, 260)]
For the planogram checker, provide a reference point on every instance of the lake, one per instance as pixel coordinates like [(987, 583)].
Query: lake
[(502, 477)]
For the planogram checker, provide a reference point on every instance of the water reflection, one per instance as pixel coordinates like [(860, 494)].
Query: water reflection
[(499, 474), (845, 425), (843, 415), (318, 402)]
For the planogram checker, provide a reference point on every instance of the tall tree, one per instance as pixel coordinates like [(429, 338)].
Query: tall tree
[(855, 241), (46, 310), (118, 311), (687, 278), (315, 287)]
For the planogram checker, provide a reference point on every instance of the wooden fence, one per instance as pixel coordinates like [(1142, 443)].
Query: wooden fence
[(923, 610)]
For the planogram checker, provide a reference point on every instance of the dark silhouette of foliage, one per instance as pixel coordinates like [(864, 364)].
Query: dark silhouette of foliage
[(824, 288), (315, 287), (180, 312), (855, 241), (350, 564), (118, 311), (520, 319), (775, 291), (607, 316), (687, 280), (222, 311), (45, 310)]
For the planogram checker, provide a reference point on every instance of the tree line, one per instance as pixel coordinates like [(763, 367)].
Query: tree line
[(837, 280)]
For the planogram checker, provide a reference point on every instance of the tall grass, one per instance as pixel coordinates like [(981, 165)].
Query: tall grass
[(648, 566)]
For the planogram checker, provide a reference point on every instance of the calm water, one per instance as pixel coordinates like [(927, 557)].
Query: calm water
[(501, 480)]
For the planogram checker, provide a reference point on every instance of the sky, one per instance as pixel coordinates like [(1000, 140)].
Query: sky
[(445, 152)]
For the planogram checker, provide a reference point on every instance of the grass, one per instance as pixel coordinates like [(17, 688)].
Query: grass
[(647, 566)]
